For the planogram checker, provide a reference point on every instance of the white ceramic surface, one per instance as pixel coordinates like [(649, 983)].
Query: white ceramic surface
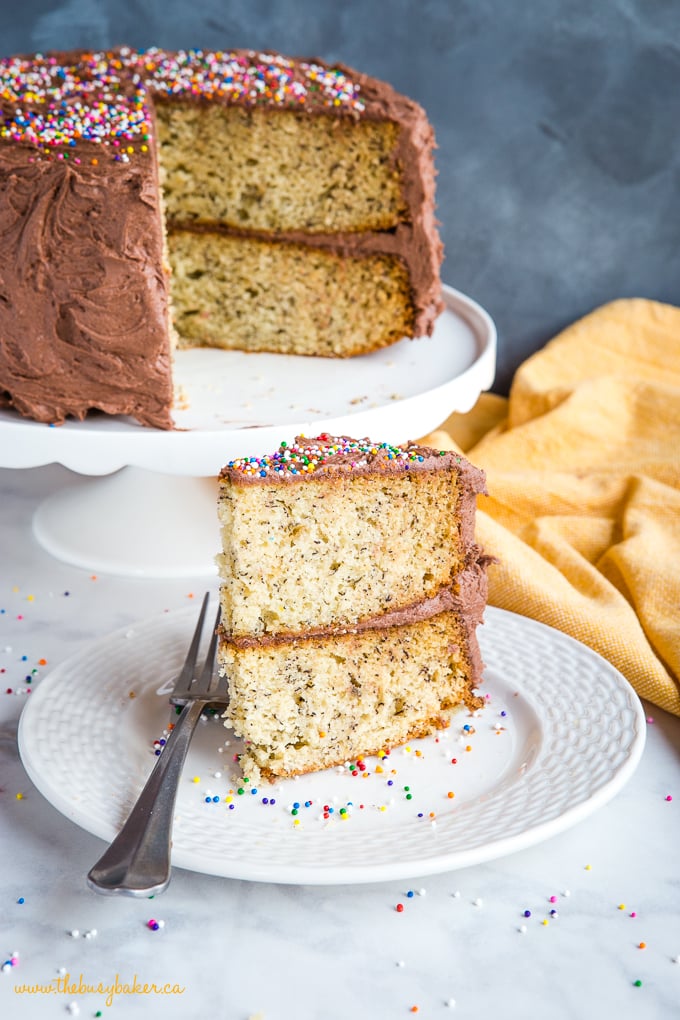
[(561, 733), (243, 404)]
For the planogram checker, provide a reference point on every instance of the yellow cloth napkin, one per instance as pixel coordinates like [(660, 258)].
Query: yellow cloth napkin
[(583, 473)]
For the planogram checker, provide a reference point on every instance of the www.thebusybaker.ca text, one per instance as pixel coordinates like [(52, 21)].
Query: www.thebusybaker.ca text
[(64, 985)]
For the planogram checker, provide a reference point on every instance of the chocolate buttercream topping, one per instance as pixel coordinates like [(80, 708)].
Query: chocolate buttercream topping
[(326, 456), (83, 307), (61, 98), (55, 100)]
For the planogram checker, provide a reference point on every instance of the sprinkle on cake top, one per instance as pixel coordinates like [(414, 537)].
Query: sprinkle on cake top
[(326, 454), (51, 101)]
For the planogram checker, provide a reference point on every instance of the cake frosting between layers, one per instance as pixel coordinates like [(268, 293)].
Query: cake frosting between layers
[(84, 277)]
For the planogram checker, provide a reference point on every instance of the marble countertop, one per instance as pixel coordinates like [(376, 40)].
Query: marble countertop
[(461, 946)]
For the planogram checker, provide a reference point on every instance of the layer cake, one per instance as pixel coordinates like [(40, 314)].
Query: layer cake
[(351, 588), (232, 199)]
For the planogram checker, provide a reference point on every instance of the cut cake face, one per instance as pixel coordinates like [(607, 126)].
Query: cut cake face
[(351, 588)]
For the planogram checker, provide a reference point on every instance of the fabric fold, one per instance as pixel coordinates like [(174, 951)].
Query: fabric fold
[(583, 472)]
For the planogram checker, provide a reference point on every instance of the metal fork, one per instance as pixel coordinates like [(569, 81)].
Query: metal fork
[(137, 863)]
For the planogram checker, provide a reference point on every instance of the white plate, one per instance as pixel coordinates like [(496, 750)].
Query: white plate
[(571, 736), (246, 404)]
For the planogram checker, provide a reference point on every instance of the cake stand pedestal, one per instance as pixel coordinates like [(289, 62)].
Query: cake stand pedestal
[(146, 504), (135, 522)]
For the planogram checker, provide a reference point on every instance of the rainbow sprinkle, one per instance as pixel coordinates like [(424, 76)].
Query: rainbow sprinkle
[(324, 453), (103, 98)]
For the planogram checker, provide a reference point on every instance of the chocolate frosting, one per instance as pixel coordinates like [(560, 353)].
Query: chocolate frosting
[(83, 296), (330, 456), (83, 287)]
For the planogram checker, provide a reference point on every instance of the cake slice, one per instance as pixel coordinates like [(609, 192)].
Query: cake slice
[(351, 588)]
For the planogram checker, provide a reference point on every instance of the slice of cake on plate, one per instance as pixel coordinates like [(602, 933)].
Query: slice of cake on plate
[(351, 588)]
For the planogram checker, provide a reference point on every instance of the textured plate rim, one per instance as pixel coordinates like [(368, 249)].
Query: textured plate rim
[(356, 873)]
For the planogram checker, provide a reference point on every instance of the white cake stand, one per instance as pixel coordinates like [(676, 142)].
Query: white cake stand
[(146, 505)]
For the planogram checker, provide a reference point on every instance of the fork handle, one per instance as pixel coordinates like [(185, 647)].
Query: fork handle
[(137, 863)]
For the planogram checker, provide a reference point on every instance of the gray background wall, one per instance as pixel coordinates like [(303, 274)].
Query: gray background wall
[(558, 123)]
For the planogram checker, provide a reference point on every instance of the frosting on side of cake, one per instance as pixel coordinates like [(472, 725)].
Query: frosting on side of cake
[(82, 255)]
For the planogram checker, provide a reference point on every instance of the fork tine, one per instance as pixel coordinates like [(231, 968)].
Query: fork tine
[(184, 678), (204, 683)]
